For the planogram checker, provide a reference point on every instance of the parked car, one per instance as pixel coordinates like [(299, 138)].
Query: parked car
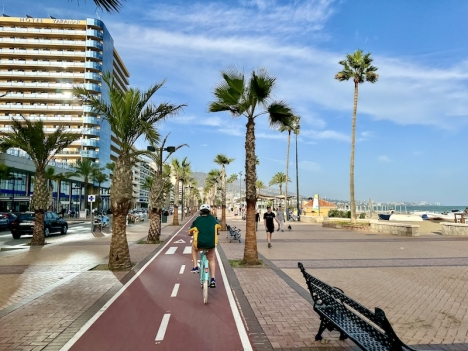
[(10, 217), (24, 224), (3, 222)]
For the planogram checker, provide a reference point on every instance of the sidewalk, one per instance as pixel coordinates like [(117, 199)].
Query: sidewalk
[(47, 294)]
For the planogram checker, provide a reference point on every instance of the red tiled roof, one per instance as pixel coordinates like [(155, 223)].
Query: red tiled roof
[(322, 203)]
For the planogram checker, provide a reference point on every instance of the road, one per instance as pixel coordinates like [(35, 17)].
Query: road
[(6, 240), (162, 308)]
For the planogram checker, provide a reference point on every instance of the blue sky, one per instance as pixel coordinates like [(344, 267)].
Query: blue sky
[(411, 125)]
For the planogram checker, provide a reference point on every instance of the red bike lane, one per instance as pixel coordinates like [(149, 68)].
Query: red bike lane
[(161, 308)]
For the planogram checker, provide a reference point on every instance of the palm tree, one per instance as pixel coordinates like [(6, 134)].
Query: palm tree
[(5, 171), (259, 185), (278, 179), (357, 67), (100, 177), (185, 177), (131, 115), (42, 148), (109, 5), (223, 160), (212, 180), (175, 163), (250, 98), (85, 169), (288, 128)]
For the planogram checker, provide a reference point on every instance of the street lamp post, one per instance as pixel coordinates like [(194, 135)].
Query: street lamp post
[(297, 177), (153, 149), (240, 187), (14, 179)]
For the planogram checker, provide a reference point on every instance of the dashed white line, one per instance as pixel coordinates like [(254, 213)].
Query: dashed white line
[(175, 290), (163, 327), (171, 250), (187, 250), (182, 269)]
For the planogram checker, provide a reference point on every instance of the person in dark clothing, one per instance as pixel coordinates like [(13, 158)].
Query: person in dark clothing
[(257, 219), (268, 219)]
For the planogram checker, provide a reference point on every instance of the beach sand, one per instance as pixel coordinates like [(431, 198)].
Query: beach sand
[(425, 227)]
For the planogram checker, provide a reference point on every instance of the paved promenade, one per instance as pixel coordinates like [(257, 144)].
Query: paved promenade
[(47, 294)]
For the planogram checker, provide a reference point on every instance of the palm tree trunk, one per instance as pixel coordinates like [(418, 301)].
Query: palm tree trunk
[(154, 232), (223, 199), (287, 173), (250, 248), (175, 218), (351, 164), (156, 203), (121, 196), (39, 205)]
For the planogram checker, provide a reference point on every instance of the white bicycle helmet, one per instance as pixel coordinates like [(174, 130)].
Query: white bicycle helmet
[(205, 208)]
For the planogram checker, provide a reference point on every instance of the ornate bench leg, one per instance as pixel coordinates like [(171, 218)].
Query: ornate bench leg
[(343, 336), (323, 326)]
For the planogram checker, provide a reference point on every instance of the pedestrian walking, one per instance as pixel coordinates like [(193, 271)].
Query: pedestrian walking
[(268, 219), (257, 219), (280, 216)]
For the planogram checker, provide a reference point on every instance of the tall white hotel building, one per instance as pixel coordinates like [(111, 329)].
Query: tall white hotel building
[(41, 60)]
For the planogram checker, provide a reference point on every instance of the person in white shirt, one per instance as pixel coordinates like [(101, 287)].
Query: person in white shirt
[(280, 216)]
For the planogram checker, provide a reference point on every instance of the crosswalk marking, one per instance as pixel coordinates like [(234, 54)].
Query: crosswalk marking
[(175, 290), (163, 327), (171, 250), (187, 250)]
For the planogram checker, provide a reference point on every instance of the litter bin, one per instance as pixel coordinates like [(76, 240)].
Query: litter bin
[(164, 217)]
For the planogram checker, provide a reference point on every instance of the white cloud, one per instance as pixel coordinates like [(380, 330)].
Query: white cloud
[(384, 159)]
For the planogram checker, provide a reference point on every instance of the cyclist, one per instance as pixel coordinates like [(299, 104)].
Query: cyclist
[(205, 231)]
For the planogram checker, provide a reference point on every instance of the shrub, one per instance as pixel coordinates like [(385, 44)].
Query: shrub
[(339, 214), (362, 215)]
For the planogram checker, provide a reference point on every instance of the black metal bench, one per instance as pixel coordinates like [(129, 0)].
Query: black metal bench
[(369, 330)]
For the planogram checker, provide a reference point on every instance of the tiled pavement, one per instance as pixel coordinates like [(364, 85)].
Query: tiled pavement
[(421, 283)]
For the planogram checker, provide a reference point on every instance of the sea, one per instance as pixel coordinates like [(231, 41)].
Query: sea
[(428, 208)]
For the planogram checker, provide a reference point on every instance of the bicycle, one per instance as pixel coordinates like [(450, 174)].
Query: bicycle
[(204, 274)]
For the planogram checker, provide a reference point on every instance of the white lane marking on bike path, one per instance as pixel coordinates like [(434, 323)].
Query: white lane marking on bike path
[(93, 319), (175, 290), (187, 249), (163, 327), (182, 269), (171, 250), (235, 312)]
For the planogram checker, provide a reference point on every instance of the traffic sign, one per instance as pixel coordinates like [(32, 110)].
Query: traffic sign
[(91, 198)]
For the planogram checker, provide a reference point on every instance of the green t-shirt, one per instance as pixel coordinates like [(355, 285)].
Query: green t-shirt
[(207, 231)]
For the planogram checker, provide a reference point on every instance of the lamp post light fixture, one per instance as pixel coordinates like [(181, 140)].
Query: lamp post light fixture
[(14, 179), (240, 186), (297, 176)]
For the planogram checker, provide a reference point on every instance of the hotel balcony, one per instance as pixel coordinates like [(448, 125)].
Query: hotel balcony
[(93, 65), (34, 63), (90, 154), (53, 75), (43, 42), (90, 131), (90, 120), (68, 119), (94, 44), (94, 33), (19, 30), (35, 108), (45, 53), (93, 76), (40, 97), (90, 142), (94, 55)]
